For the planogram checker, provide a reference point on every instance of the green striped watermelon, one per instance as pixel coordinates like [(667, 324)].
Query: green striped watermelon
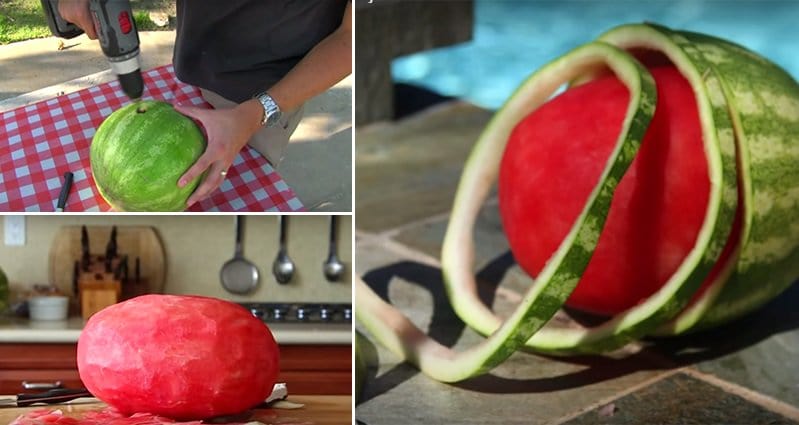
[(695, 228), (138, 154)]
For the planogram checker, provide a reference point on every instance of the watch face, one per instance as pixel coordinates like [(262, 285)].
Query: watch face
[(273, 119)]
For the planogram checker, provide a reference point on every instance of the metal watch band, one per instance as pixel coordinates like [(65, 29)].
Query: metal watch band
[(272, 111)]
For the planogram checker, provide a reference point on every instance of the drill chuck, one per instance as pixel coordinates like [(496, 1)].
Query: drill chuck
[(128, 70), (132, 84)]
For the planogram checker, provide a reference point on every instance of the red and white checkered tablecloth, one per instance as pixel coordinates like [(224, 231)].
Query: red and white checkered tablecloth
[(40, 142)]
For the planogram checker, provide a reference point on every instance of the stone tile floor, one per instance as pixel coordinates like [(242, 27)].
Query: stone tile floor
[(406, 175)]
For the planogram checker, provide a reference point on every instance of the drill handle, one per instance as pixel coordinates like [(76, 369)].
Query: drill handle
[(116, 28), (58, 26)]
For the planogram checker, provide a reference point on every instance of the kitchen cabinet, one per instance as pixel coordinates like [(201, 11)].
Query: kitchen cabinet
[(306, 369)]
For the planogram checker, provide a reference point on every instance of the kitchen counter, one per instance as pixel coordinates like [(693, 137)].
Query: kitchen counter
[(18, 330), (318, 410)]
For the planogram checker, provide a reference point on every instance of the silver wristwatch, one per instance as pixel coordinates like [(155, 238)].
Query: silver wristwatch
[(272, 111)]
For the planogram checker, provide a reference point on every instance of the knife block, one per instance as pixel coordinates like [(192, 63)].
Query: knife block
[(97, 288), (140, 242)]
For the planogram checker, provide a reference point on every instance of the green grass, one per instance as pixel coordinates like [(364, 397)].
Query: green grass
[(143, 22), (23, 19)]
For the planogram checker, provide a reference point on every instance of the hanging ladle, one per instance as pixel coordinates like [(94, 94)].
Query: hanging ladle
[(333, 267), (283, 267), (239, 275)]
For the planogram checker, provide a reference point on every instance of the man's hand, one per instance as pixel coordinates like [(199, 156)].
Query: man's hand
[(77, 12), (228, 130)]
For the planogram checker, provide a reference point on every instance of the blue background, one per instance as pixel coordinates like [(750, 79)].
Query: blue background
[(514, 38)]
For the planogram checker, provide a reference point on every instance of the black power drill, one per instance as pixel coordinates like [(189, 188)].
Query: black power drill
[(119, 39)]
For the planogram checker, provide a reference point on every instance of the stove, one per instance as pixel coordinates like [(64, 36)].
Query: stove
[(312, 313)]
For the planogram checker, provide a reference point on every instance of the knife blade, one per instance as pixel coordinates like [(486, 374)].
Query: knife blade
[(55, 396), (62, 395)]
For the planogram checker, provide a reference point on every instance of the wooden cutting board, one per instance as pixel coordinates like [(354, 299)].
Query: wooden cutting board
[(318, 410), (133, 241)]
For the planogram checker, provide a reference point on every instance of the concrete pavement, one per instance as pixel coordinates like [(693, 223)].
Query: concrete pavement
[(318, 162)]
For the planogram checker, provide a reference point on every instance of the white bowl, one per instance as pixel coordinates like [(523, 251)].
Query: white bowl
[(48, 307)]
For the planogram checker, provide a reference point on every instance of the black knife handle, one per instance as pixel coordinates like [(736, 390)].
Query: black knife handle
[(84, 248), (62, 197), (58, 395)]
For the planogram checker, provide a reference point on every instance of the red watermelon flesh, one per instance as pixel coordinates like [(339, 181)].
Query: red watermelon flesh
[(183, 357), (554, 158)]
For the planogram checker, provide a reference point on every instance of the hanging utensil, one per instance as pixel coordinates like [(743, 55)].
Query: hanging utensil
[(283, 267), (333, 267), (239, 275)]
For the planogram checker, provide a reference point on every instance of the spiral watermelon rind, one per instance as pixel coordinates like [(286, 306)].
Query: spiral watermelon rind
[(561, 274), (749, 112)]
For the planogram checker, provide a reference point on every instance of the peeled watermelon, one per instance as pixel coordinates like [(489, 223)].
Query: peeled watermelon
[(553, 160), (183, 357)]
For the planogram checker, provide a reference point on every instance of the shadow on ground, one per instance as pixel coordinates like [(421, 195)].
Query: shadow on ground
[(9, 94), (780, 315)]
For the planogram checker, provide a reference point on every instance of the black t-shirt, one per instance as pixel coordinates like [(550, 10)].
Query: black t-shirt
[(238, 48)]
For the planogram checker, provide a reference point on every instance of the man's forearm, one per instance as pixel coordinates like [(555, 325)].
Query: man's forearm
[(325, 65)]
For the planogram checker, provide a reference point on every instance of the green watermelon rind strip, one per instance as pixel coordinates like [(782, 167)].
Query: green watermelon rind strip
[(360, 363), (560, 276), (764, 106)]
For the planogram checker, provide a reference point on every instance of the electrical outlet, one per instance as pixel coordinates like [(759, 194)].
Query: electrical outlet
[(14, 230)]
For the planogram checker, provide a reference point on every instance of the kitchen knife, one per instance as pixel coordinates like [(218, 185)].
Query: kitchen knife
[(84, 248), (121, 272), (137, 272), (58, 395), (111, 248), (75, 278), (62, 395), (125, 270)]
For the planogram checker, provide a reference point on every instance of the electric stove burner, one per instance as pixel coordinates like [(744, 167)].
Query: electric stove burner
[(301, 312)]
